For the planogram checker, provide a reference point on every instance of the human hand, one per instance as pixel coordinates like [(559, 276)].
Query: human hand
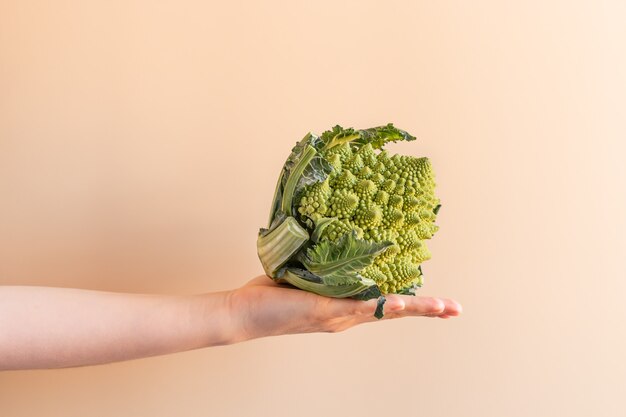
[(265, 308), (44, 327)]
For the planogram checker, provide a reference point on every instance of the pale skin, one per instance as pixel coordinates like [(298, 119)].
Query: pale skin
[(43, 327)]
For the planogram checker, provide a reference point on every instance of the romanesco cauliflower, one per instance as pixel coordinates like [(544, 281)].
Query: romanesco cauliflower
[(349, 221)]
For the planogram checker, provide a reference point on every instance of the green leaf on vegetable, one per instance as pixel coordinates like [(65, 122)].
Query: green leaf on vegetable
[(338, 263)]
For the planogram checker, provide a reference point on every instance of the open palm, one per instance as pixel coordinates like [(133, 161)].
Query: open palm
[(272, 309)]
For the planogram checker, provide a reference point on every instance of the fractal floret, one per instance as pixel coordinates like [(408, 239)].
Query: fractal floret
[(348, 219)]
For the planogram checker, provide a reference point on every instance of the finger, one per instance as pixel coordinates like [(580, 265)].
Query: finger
[(423, 306), (358, 309), (453, 308), (395, 306)]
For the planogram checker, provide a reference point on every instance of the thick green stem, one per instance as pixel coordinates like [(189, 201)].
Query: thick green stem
[(276, 200), (294, 177), (279, 245), (335, 291)]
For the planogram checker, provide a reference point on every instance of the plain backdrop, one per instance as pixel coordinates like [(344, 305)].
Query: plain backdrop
[(140, 143)]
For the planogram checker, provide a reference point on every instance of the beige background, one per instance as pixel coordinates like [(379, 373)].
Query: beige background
[(139, 146)]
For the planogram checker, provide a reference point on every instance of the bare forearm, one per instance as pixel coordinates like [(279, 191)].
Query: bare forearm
[(43, 327)]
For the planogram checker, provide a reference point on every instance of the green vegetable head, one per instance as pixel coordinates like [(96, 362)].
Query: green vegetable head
[(347, 219)]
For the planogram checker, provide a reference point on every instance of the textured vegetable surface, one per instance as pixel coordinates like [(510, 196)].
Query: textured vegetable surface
[(348, 219)]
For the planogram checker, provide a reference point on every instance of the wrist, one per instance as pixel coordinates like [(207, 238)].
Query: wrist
[(220, 321), (239, 312)]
